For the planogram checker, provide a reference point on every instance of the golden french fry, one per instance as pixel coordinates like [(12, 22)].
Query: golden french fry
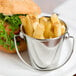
[(23, 20), (47, 24), (39, 31), (29, 22), (34, 18), (43, 28), (43, 20), (56, 25), (47, 32), (34, 21), (35, 25), (57, 30), (51, 34), (54, 19), (28, 26), (62, 29)]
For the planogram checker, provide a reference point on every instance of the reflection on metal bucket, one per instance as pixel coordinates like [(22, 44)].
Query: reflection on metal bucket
[(44, 54)]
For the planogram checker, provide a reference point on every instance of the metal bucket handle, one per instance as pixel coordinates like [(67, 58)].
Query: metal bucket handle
[(18, 53), (29, 66)]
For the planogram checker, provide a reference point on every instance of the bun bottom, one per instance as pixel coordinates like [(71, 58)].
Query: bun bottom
[(22, 47)]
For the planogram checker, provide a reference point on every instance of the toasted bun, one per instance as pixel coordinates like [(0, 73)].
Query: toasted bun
[(9, 7), (22, 47)]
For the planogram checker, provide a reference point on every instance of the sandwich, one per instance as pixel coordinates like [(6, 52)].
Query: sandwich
[(10, 13)]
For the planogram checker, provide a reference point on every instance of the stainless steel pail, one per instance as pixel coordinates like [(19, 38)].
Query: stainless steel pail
[(44, 53)]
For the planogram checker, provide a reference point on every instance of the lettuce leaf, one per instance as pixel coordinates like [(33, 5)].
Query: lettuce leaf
[(14, 21)]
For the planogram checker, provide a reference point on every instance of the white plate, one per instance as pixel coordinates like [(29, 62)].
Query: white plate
[(11, 65)]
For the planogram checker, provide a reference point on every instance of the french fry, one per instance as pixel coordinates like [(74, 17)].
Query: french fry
[(54, 19), (56, 25), (57, 30), (39, 31), (62, 29), (47, 32), (44, 27), (35, 25), (23, 20), (28, 26), (30, 23), (51, 34), (43, 20), (35, 21), (47, 24)]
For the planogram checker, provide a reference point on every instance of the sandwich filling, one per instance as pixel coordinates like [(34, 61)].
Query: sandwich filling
[(9, 25)]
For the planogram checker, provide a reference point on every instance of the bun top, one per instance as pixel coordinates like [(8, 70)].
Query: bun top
[(9, 7)]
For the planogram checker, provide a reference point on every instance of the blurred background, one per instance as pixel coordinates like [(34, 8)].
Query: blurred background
[(47, 6)]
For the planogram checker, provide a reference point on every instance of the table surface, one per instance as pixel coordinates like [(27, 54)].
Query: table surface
[(47, 6)]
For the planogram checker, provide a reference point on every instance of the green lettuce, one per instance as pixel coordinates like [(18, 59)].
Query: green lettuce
[(14, 21)]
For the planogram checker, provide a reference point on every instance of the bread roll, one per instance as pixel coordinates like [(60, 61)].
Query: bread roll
[(9, 7)]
